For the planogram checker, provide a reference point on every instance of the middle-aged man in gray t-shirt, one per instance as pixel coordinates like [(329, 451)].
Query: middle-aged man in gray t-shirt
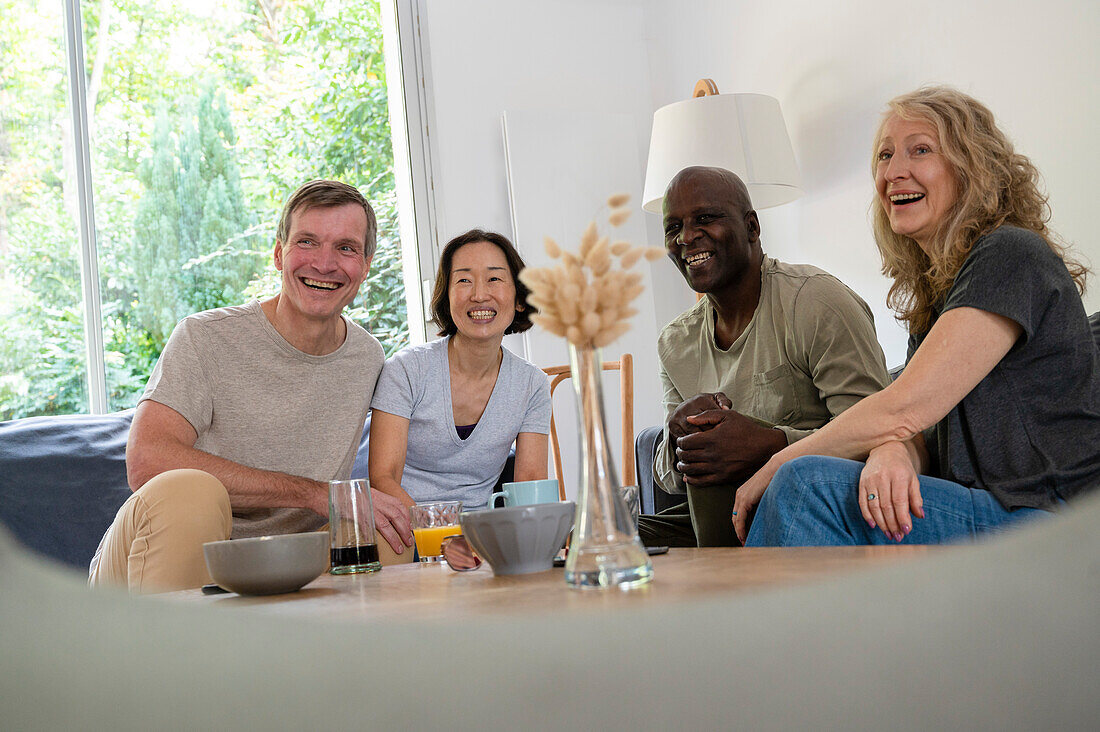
[(770, 353), (251, 410)]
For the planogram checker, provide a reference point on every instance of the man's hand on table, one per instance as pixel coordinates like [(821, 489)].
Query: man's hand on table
[(391, 520), (391, 515)]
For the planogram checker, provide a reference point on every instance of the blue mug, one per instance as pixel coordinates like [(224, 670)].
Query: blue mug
[(526, 492)]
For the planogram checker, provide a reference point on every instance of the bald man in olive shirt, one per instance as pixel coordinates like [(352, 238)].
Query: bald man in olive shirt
[(772, 352)]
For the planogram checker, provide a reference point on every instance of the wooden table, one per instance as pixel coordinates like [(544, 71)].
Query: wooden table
[(433, 591)]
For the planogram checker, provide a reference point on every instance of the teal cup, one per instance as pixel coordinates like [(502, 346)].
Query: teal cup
[(526, 493)]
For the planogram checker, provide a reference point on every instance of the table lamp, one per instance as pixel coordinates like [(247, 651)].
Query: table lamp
[(744, 133)]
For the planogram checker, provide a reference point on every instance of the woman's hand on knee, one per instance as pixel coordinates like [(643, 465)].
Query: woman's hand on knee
[(889, 491), (748, 495)]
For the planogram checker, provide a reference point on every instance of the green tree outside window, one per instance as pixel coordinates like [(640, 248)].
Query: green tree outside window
[(203, 118)]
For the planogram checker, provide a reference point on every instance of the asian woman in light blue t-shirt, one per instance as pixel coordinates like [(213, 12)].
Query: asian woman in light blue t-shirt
[(445, 414)]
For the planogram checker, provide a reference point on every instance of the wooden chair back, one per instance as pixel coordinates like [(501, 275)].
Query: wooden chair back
[(625, 367)]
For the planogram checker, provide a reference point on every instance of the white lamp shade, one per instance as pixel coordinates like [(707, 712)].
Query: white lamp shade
[(743, 133)]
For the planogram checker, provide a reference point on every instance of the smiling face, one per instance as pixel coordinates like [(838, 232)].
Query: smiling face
[(711, 232), (322, 261), (915, 183), (481, 292)]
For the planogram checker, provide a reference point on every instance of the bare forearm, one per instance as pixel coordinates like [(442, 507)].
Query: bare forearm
[(389, 485), (856, 431), (389, 442), (532, 451), (959, 351), (247, 487), (918, 454)]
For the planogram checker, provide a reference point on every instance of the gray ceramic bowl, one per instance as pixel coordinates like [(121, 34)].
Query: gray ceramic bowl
[(268, 565), (519, 539)]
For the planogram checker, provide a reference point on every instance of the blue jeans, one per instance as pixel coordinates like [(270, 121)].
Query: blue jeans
[(814, 501)]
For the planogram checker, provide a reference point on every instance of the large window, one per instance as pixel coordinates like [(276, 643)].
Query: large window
[(202, 116)]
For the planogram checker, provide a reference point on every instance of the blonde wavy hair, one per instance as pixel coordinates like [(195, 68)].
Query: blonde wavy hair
[(995, 184)]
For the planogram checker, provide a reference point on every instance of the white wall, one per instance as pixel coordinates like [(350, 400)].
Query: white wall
[(489, 56), (561, 60), (833, 65)]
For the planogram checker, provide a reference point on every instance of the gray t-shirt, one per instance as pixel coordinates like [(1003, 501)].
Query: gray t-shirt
[(1029, 432), (416, 384), (256, 400)]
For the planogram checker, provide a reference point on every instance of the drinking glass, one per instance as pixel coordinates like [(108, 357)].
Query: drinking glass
[(351, 527), (431, 523)]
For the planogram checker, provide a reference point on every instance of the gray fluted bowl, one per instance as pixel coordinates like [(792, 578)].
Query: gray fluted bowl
[(519, 539), (268, 565)]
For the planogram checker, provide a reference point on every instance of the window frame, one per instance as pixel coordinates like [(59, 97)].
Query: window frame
[(412, 76), (95, 362)]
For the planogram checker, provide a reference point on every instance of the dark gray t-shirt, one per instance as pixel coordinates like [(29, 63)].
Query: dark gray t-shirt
[(1029, 432)]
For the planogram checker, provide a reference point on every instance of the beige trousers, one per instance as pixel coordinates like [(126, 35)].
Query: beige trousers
[(155, 542), (387, 556)]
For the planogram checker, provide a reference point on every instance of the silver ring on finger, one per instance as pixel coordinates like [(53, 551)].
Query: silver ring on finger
[(870, 496)]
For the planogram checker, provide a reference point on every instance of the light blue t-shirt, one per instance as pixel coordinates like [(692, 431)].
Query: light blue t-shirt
[(416, 384)]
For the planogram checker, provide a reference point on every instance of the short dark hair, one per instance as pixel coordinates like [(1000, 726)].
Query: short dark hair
[(441, 304), (326, 194)]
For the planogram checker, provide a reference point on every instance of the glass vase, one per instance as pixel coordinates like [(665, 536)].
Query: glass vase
[(605, 550)]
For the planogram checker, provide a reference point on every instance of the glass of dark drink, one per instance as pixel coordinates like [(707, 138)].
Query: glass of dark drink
[(351, 527)]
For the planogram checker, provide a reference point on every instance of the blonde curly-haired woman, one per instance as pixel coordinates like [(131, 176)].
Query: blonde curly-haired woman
[(1003, 375)]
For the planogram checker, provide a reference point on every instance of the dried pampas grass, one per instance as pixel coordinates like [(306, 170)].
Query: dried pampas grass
[(585, 298)]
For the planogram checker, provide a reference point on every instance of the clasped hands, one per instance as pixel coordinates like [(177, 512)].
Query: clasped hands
[(716, 445)]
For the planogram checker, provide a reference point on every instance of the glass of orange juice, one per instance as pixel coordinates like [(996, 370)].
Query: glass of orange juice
[(431, 523)]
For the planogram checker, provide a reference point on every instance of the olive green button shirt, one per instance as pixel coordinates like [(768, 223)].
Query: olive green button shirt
[(809, 352)]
